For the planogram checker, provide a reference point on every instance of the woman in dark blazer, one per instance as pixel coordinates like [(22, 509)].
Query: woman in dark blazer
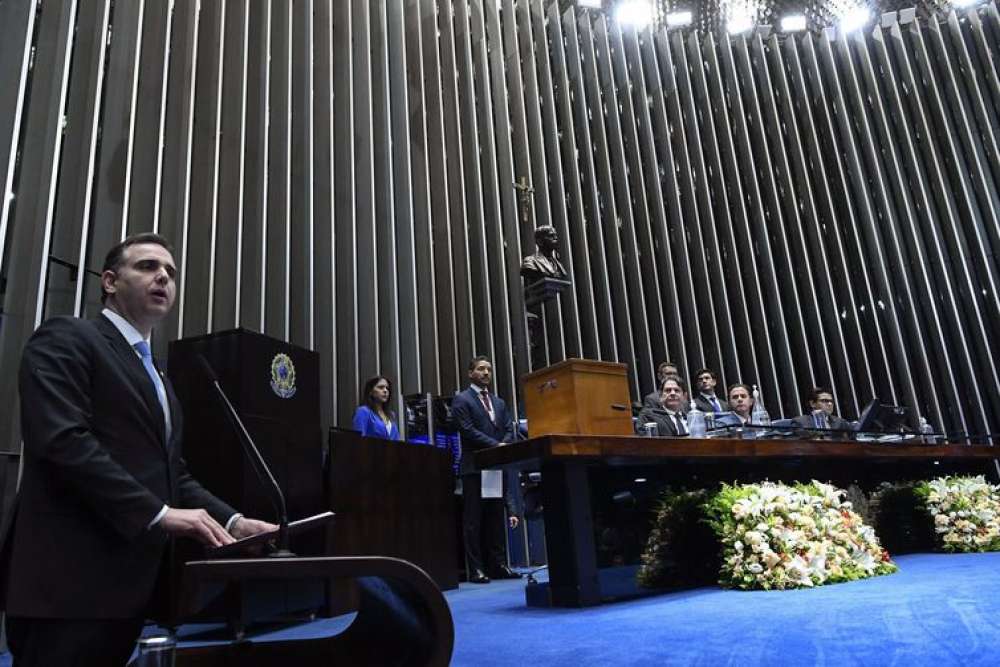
[(373, 418)]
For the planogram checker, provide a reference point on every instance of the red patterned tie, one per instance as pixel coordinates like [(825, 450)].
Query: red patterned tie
[(484, 396)]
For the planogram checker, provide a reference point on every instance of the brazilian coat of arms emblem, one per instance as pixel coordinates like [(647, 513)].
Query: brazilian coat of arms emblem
[(283, 376)]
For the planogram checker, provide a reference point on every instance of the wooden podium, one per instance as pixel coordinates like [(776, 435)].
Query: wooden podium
[(392, 499), (284, 421), (578, 396)]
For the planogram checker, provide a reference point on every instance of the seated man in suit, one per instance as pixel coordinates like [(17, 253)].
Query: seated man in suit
[(706, 400), (820, 400), (652, 399), (104, 484), (671, 417), (483, 421)]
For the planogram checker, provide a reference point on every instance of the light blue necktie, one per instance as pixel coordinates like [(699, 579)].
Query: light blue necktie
[(142, 347)]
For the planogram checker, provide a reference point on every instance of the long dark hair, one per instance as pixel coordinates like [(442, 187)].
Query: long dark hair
[(366, 394)]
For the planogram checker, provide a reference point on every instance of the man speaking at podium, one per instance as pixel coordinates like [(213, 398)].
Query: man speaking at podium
[(104, 485)]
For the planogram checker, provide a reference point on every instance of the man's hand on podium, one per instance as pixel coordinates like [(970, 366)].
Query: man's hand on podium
[(197, 524), (244, 527)]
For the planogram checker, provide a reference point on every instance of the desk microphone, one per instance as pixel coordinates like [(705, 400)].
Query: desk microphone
[(260, 467)]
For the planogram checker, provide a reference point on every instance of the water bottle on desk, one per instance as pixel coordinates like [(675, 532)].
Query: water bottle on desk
[(157, 651), (927, 432), (759, 415), (695, 422)]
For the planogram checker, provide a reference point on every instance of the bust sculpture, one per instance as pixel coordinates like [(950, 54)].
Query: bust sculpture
[(545, 262)]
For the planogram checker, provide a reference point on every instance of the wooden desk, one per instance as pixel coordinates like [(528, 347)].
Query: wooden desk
[(393, 499), (567, 461)]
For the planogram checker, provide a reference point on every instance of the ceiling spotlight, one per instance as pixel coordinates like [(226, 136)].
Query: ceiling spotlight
[(739, 23), (794, 23), (854, 19), (590, 4), (678, 19), (964, 3), (741, 15), (636, 13)]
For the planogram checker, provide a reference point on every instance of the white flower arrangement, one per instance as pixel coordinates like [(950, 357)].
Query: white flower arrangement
[(776, 536), (965, 511)]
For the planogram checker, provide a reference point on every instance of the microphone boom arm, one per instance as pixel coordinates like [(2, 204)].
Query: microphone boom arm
[(260, 467)]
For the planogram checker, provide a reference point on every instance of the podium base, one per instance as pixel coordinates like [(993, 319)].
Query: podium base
[(397, 600)]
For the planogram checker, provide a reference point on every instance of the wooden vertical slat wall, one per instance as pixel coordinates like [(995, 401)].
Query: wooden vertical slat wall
[(819, 208)]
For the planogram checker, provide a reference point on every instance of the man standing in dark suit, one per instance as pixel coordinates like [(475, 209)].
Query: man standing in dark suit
[(483, 421), (706, 400), (820, 400), (652, 399), (104, 485)]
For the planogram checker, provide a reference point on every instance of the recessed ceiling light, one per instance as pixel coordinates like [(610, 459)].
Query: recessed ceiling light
[(794, 23), (854, 19), (739, 23), (678, 19), (637, 13)]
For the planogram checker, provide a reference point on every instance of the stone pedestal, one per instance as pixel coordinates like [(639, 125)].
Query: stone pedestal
[(537, 295)]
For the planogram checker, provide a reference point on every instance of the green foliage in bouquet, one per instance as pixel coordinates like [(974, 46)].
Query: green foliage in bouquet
[(898, 515), (777, 536), (682, 549), (965, 512)]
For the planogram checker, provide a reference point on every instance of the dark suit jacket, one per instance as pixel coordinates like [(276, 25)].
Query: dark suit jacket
[(97, 470), (474, 423), (478, 432), (652, 400), (705, 406), (665, 426), (836, 423)]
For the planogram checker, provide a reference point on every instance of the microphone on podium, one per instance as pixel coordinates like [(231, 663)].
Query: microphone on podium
[(260, 466)]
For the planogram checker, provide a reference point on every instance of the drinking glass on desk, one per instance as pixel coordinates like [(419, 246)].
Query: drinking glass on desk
[(157, 651), (709, 424), (649, 430)]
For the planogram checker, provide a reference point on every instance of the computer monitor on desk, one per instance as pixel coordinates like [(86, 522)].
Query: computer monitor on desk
[(880, 417), (425, 414)]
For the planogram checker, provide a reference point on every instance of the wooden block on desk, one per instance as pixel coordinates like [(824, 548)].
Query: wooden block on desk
[(578, 396)]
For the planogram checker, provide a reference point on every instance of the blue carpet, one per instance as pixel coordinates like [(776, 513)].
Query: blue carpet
[(938, 610)]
